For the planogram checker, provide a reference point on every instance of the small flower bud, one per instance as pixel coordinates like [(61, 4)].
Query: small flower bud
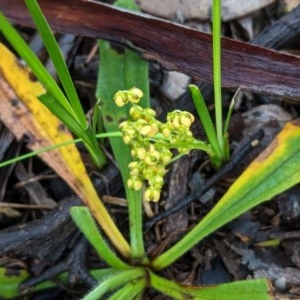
[(134, 168), (120, 98), (134, 183), (127, 139), (140, 123), (134, 172), (146, 130), (139, 153), (133, 165), (129, 131), (175, 122), (135, 95), (151, 148), (154, 128), (157, 181), (149, 130), (186, 119), (136, 112), (124, 125), (159, 170), (183, 150), (173, 119), (166, 130), (152, 158), (165, 157), (149, 114), (129, 134), (174, 140), (152, 194)]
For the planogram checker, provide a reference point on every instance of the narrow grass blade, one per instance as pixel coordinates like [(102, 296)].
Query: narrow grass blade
[(87, 136), (230, 110), (226, 152), (58, 60), (205, 119), (57, 109), (217, 71), (56, 146)]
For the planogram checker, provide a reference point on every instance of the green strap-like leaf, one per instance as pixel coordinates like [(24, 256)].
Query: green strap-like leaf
[(272, 172), (85, 222), (257, 289), (55, 100), (85, 134), (9, 283), (205, 118), (58, 61), (122, 69)]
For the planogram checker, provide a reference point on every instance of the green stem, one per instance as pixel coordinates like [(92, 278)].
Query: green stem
[(195, 145), (134, 203), (217, 71)]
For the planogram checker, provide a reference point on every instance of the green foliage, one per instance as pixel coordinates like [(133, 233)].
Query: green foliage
[(65, 105), (263, 179), (137, 278), (246, 290), (216, 136), (216, 155), (111, 283), (73, 103), (83, 219), (9, 283), (121, 69)]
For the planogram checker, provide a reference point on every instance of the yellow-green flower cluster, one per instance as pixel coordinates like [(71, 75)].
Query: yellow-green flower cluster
[(177, 130), (150, 142)]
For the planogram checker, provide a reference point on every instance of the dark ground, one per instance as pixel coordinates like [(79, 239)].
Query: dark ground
[(47, 242)]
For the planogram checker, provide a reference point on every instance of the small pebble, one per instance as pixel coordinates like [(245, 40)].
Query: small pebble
[(280, 284), (175, 84)]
